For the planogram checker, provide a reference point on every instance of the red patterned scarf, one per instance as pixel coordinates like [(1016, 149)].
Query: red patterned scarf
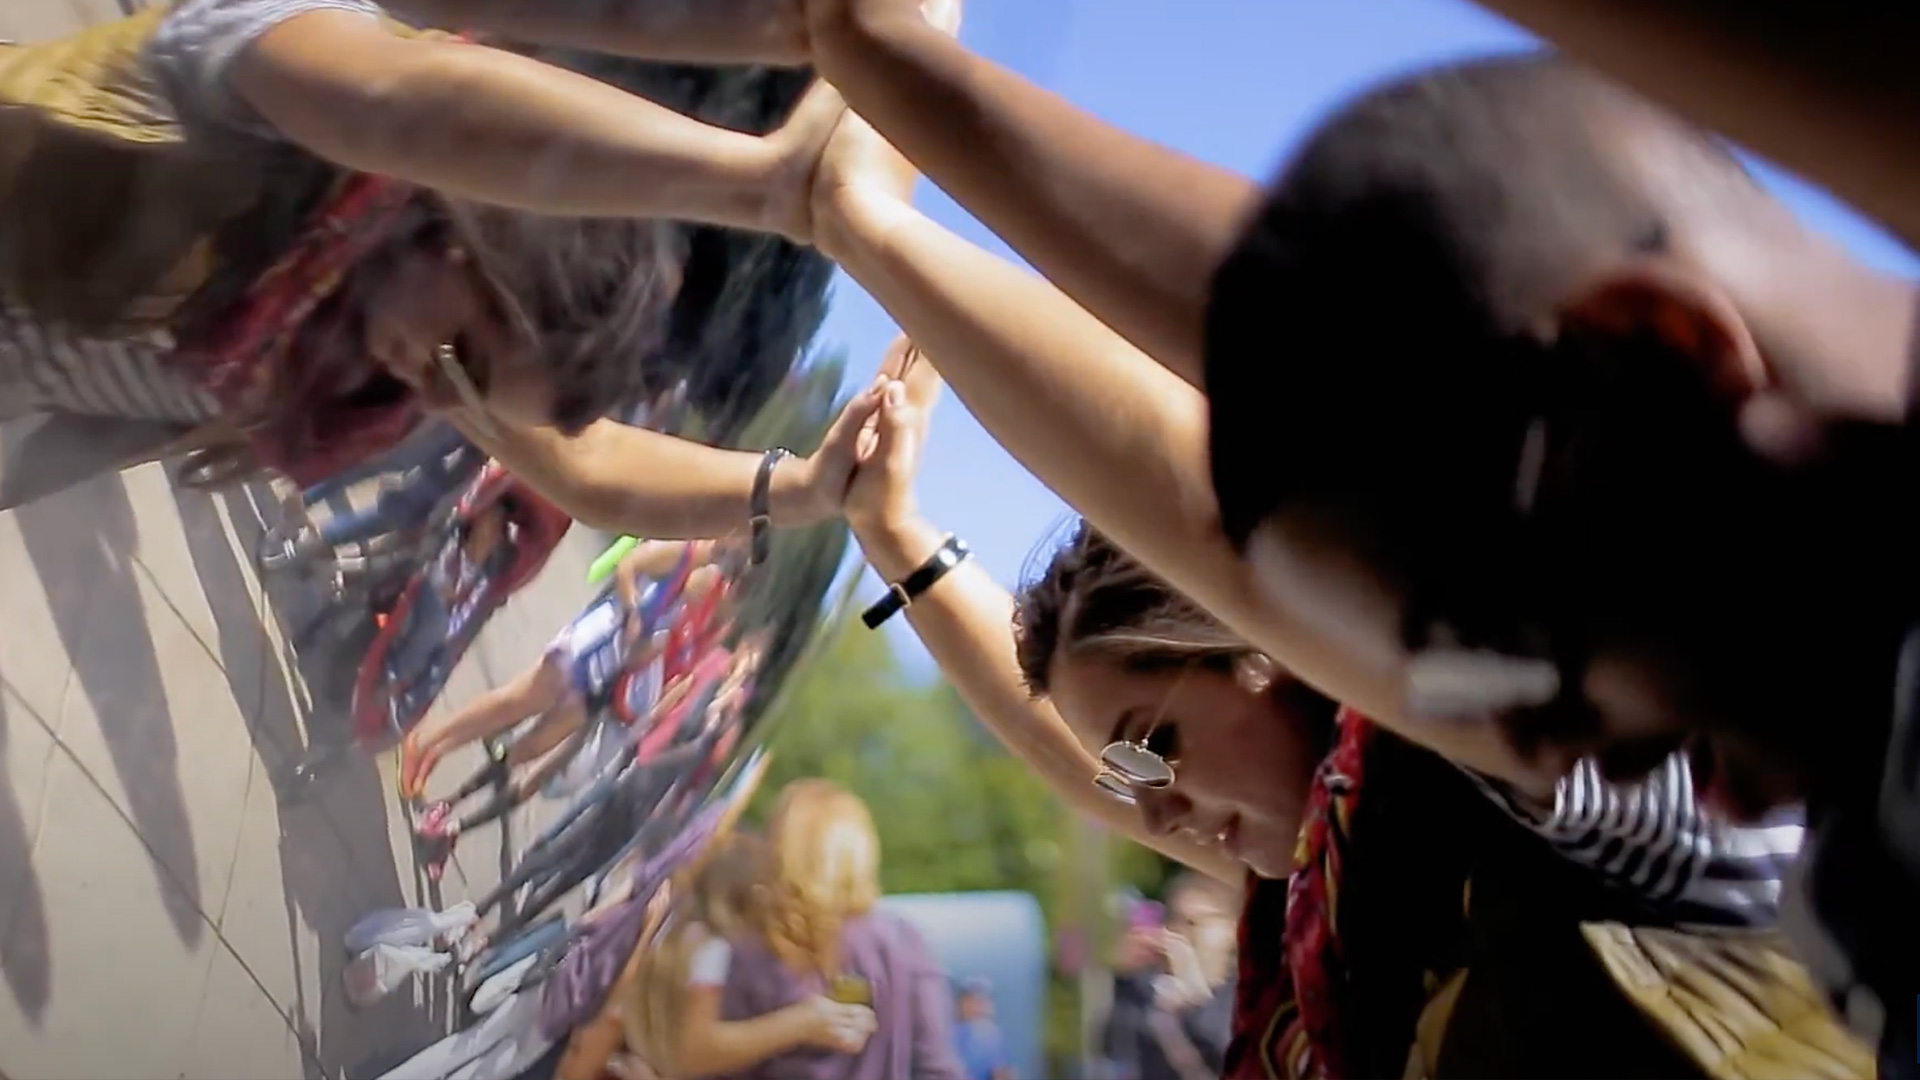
[(288, 403), (1332, 970), (245, 357)]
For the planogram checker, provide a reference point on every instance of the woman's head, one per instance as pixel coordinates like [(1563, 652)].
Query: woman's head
[(1127, 659), (826, 859), (552, 320)]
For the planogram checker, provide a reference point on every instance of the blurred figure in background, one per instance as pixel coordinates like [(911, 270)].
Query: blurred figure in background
[(1172, 985), (977, 1038), (819, 934)]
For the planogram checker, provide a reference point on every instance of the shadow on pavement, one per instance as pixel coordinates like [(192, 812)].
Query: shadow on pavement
[(336, 859), (24, 959), (82, 549)]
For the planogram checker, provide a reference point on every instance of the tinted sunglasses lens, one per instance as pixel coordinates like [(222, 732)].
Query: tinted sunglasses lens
[(1115, 787), (1137, 764)]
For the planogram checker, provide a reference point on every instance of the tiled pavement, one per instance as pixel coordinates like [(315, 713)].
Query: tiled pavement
[(161, 914)]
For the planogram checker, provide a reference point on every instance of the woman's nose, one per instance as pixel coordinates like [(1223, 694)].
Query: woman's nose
[(1163, 811)]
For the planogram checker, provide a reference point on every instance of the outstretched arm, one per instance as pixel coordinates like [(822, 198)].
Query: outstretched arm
[(1825, 90), (1115, 434), (966, 622), (495, 127), (1132, 230), (631, 480), (771, 32)]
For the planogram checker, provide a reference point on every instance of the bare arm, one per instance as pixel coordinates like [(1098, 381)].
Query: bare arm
[(495, 127), (631, 480), (711, 1046), (966, 622), (1826, 90), (682, 31), (1132, 230), (649, 558), (1116, 435)]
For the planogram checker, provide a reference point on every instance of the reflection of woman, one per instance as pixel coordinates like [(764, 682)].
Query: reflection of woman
[(819, 933), (275, 224), (1201, 748)]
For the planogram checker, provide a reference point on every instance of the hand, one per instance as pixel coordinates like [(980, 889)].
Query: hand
[(1186, 983), (1138, 948), (881, 493), (817, 486), (834, 1026), (629, 1067), (830, 22), (855, 166)]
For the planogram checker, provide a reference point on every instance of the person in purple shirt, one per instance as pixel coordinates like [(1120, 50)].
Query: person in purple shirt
[(977, 1038), (820, 934)]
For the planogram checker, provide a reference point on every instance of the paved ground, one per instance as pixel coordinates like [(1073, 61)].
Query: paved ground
[(161, 914)]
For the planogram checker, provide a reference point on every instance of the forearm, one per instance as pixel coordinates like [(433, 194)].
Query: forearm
[(725, 1046), (631, 480), (1130, 229), (1825, 91), (682, 31), (966, 622), (494, 127), (1114, 434)]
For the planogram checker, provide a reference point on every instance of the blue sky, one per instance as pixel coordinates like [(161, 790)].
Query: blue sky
[(1235, 82)]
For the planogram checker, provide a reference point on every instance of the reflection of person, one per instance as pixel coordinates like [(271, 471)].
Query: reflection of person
[(431, 466), (818, 931), (457, 587), (190, 179), (575, 671), (977, 1036)]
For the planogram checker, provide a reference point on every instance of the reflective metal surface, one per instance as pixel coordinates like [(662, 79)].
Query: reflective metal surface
[(204, 865)]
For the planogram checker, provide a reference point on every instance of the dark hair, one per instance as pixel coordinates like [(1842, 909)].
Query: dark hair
[(625, 310), (1091, 597), (1398, 268)]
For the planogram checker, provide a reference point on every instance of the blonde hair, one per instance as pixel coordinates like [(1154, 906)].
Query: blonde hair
[(722, 901), (826, 863)]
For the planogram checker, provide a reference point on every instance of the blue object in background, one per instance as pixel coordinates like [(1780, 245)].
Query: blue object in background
[(999, 937)]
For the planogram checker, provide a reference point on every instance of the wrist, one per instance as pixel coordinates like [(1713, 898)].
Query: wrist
[(791, 500), (898, 545)]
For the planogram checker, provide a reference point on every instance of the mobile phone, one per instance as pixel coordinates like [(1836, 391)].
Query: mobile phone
[(851, 990)]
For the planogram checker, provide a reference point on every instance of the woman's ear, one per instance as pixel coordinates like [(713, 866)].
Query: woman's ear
[(1255, 672)]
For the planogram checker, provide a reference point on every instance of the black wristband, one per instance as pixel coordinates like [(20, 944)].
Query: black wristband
[(901, 594), (759, 514)]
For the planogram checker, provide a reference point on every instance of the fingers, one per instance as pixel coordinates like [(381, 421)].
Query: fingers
[(859, 413), (899, 358), (923, 384)]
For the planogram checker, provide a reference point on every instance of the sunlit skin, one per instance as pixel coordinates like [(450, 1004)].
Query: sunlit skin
[(1242, 765)]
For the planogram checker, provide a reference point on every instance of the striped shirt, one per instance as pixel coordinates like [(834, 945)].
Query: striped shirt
[(46, 370), (43, 369), (1654, 839)]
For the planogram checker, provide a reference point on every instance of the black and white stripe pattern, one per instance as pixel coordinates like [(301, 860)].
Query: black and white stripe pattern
[(1654, 839), (47, 370)]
